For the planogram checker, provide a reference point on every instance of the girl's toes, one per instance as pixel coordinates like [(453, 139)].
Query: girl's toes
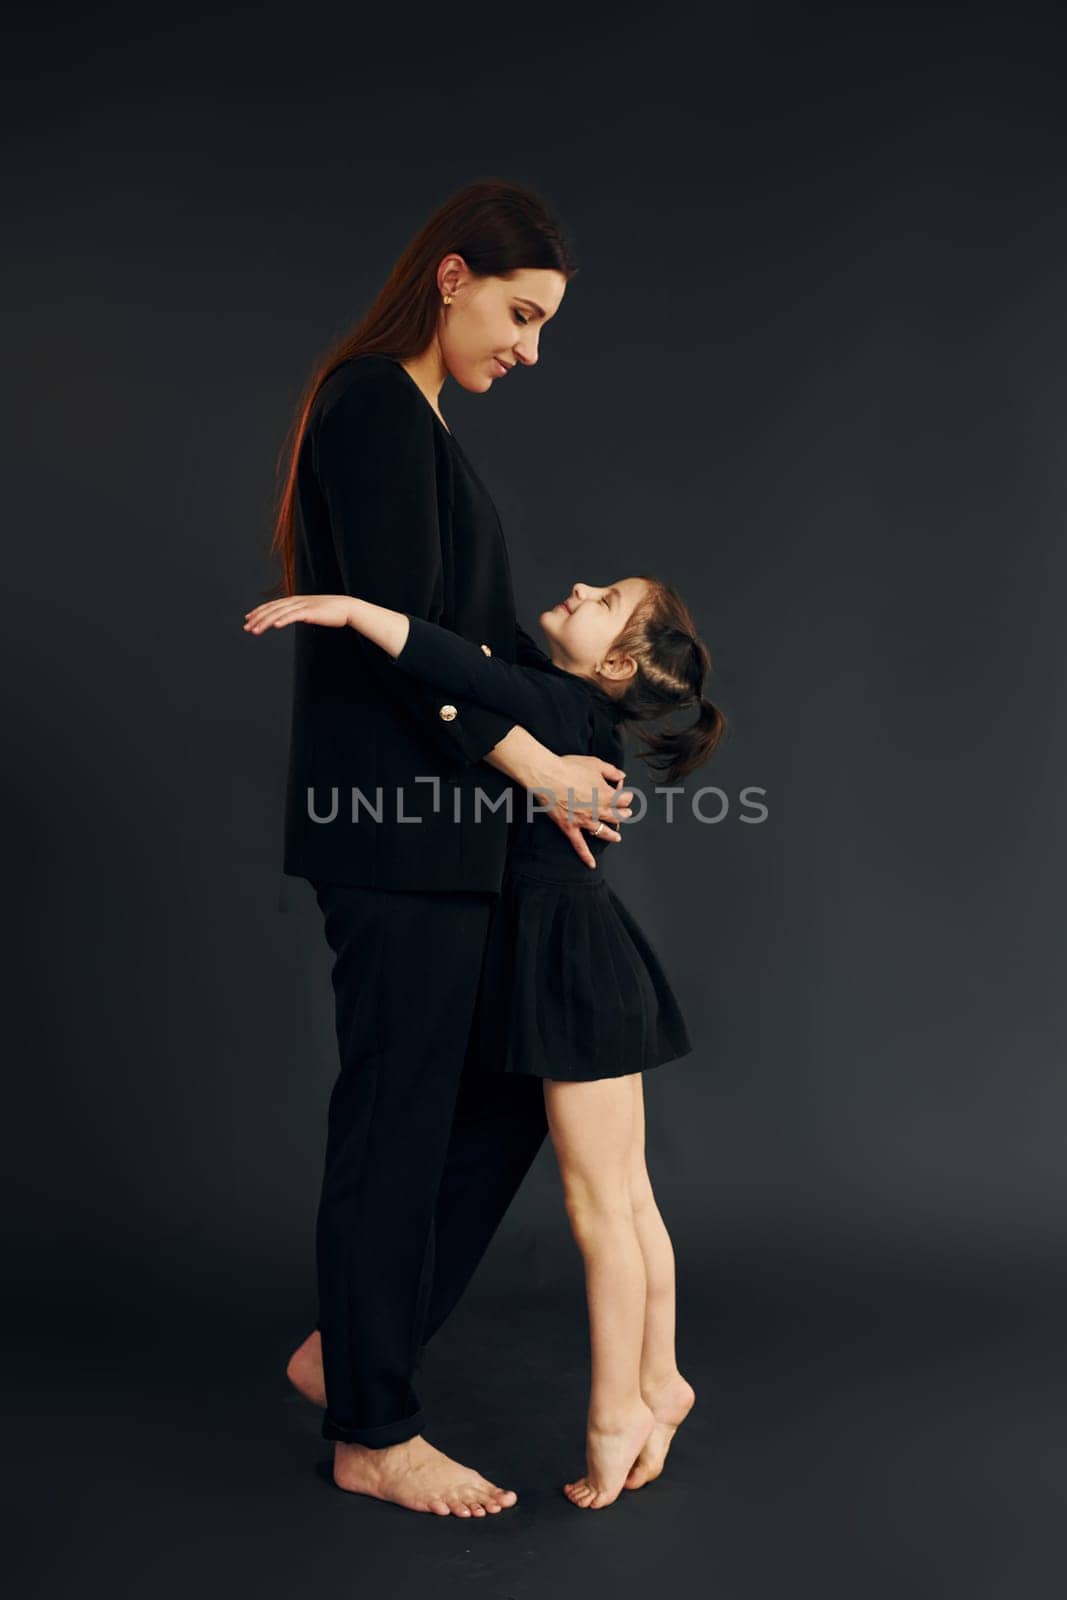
[(580, 1493)]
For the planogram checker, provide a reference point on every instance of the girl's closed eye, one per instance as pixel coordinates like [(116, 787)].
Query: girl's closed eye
[(520, 318)]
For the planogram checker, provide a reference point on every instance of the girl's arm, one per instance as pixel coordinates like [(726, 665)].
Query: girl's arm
[(439, 657), (583, 787), (536, 699)]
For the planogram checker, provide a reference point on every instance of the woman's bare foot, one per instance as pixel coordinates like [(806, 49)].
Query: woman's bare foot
[(305, 1370), (417, 1475), (671, 1403), (609, 1450)]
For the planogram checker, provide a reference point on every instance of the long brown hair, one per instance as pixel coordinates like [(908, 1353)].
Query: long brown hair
[(498, 228), (672, 665)]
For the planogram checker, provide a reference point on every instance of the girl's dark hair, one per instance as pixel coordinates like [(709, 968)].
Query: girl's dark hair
[(672, 665), (498, 228)]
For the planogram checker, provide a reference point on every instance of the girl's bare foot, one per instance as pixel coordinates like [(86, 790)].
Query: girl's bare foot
[(671, 1403), (609, 1451), (305, 1370), (417, 1475)]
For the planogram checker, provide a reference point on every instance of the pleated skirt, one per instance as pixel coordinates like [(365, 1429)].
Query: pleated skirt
[(571, 989)]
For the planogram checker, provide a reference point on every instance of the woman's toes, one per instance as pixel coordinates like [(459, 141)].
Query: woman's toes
[(490, 1498)]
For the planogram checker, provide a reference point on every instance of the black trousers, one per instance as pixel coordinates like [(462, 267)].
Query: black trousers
[(424, 1152)]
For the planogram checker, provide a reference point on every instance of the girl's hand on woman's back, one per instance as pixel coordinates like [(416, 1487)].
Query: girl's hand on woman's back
[(328, 610)]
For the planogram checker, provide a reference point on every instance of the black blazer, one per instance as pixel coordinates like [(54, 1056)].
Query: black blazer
[(390, 509), (564, 711)]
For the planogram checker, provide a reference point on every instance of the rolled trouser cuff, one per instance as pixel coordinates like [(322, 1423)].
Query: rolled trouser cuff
[(375, 1438)]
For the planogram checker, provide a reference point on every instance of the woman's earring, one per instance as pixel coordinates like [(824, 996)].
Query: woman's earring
[(448, 300)]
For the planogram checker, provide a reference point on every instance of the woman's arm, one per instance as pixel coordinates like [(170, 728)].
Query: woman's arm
[(582, 789)]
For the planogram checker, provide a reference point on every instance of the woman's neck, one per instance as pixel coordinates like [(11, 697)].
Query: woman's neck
[(429, 372)]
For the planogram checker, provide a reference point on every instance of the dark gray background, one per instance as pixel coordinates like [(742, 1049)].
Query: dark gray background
[(812, 371)]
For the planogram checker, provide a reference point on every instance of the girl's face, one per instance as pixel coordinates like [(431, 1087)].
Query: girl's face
[(582, 628), (493, 324)]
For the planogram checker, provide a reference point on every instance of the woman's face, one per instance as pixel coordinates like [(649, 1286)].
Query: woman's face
[(493, 324), (582, 628)]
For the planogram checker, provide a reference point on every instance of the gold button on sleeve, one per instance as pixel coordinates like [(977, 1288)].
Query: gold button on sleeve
[(448, 713)]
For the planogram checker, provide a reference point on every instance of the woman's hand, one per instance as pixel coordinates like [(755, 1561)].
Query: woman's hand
[(328, 610), (549, 777), (577, 812)]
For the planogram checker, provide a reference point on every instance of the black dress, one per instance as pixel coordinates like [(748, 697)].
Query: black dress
[(571, 989)]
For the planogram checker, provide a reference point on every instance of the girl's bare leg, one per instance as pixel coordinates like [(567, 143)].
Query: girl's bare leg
[(591, 1125), (662, 1385)]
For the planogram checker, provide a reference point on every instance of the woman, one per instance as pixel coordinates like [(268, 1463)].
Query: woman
[(383, 817), (572, 992)]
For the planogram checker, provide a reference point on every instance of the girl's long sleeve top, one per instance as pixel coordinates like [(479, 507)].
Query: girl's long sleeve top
[(565, 712)]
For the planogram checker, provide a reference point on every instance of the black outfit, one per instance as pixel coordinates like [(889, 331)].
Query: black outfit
[(423, 1155), (571, 988), (391, 510)]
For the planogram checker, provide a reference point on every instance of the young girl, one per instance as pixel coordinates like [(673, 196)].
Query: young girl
[(572, 991)]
